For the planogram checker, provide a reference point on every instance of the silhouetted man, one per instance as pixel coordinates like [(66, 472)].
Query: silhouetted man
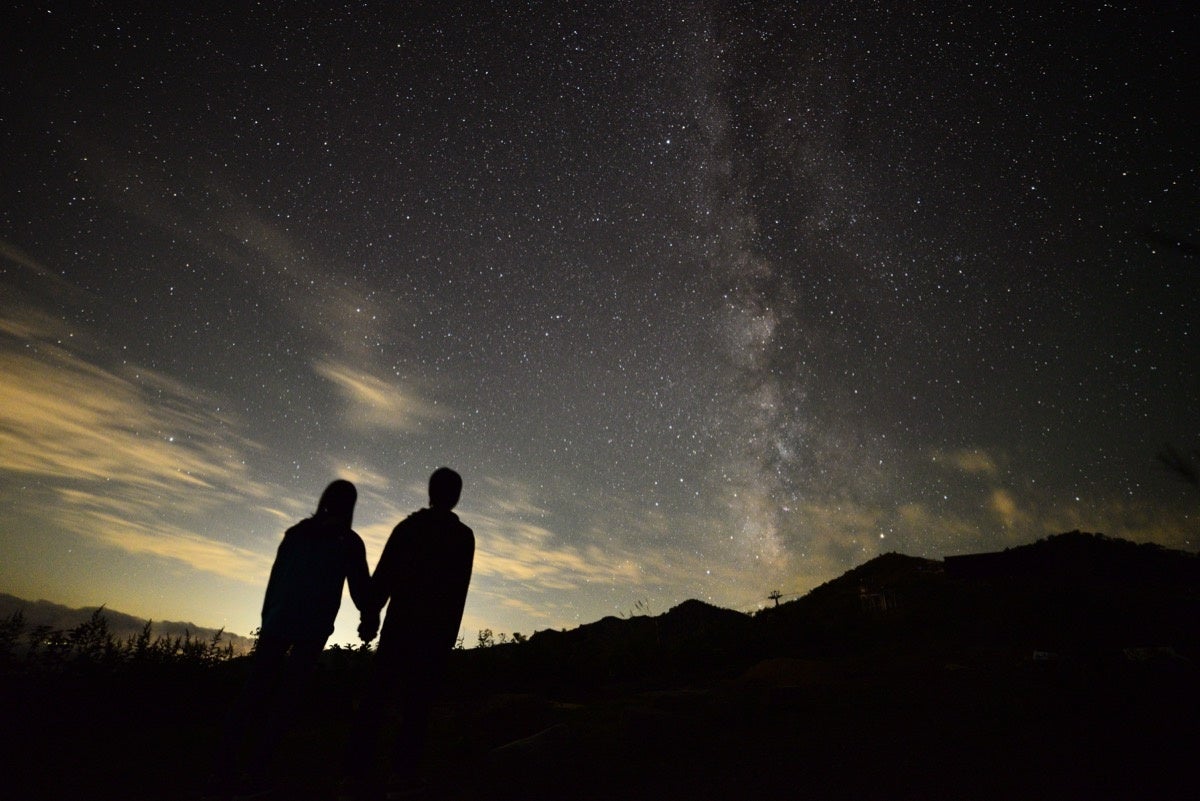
[(423, 577), (315, 558)]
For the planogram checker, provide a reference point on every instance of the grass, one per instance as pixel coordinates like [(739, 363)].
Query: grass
[(91, 717)]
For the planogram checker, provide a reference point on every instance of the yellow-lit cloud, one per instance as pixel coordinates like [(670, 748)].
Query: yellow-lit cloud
[(841, 518), (14, 254), (362, 476), (941, 532), (347, 314), (372, 402), (66, 418), (968, 460), (28, 323), (1131, 520), (528, 554), (527, 608), (133, 459), (516, 543), (169, 542), (1004, 505)]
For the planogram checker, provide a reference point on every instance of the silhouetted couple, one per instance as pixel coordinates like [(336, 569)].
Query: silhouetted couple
[(422, 577)]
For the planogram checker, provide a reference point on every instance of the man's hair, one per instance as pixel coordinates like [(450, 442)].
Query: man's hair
[(445, 486)]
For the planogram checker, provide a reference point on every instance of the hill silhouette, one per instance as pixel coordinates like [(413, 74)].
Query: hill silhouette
[(1063, 669), (1073, 595), (1066, 668), (122, 626)]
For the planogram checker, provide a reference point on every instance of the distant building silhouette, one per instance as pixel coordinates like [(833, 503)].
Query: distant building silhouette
[(872, 602)]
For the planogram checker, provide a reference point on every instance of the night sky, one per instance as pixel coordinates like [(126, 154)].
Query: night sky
[(702, 300)]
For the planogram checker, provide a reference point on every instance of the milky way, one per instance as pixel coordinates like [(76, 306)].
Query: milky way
[(703, 300)]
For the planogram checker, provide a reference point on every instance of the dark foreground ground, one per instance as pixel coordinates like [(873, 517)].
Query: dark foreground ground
[(1065, 669), (1117, 727)]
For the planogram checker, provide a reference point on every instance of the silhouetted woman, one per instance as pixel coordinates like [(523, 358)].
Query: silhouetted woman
[(304, 592)]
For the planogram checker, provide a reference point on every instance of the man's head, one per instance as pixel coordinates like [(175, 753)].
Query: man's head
[(444, 488)]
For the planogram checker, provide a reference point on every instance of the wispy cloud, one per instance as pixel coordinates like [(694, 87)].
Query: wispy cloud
[(374, 403), (348, 316), (532, 555), (166, 541), (132, 458), (527, 608), (517, 543), (1128, 519), (1004, 506), (28, 323), (12, 253), (363, 476), (63, 417), (968, 460)]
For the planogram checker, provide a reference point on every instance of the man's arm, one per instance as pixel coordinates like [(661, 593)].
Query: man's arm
[(379, 587), (457, 583), (368, 627)]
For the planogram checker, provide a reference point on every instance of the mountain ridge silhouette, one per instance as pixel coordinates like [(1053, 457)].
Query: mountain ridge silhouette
[(1062, 669), (1074, 594), (121, 625), (965, 599)]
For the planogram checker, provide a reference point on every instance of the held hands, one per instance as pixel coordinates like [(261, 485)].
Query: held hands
[(368, 628)]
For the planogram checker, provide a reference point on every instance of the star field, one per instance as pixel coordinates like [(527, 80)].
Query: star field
[(703, 300)]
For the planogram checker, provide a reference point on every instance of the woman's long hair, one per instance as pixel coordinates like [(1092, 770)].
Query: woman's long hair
[(338, 500)]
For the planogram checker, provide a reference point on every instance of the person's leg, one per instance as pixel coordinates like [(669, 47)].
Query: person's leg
[(243, 721), (416, 694), (362, 749), (292, 684), (411, 733)]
